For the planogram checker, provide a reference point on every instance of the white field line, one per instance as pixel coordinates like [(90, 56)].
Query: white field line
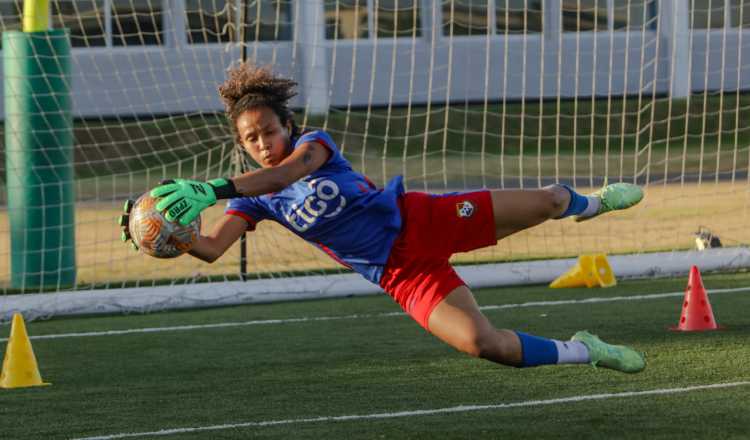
[(417, 413), (592, 300)]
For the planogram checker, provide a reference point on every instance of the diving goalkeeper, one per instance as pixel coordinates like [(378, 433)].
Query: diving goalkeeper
[(399, 240)]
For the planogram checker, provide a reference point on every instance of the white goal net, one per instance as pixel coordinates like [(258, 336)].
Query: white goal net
[(452, 94)]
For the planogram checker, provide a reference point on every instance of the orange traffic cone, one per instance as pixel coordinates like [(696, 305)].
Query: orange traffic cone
[(697, 314), (19, 366)]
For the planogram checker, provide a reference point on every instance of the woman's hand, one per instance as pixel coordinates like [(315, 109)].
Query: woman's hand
[(184, 199), (124, 222)]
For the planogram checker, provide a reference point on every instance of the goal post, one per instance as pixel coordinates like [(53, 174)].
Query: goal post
[(453, 95), (38, 153)]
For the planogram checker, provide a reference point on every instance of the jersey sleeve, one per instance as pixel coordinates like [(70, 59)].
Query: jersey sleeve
[(248, 208), (324, 139)]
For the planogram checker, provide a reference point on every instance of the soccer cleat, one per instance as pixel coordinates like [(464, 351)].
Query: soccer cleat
[(615, 197), (615, 357)]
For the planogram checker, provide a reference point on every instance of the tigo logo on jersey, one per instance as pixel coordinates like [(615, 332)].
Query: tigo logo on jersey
[(465, 209)]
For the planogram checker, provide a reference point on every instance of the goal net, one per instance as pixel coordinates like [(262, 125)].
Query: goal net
[(453, 95)]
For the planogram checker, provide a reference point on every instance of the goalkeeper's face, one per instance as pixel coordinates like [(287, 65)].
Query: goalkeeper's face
[(263, 136)]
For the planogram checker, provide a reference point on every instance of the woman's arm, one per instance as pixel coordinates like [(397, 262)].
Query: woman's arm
[(223, 234), (305, 160), (184, 199)]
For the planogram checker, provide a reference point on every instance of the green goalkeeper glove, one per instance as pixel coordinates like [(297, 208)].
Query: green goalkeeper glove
[(185, 199)]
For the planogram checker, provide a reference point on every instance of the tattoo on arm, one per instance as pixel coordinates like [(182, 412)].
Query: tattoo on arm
[(307, 158)]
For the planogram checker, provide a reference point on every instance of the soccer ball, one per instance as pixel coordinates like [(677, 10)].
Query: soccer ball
[(157, 236)]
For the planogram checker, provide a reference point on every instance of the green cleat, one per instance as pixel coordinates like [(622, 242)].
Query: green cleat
[(616, 357), (615, 197)]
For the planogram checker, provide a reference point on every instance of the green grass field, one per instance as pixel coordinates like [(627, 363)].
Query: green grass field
[(355, 368)]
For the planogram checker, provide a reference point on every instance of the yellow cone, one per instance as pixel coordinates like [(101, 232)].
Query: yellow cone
[(19, 366), (589, 271)]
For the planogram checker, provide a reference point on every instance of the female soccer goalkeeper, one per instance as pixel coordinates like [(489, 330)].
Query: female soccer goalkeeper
[(386, 235)]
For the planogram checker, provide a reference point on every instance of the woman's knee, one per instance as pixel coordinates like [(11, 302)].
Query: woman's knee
[(554, 201), (496, 346), (484, 345)]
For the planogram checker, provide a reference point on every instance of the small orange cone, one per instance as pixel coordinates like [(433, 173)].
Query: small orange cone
[(697, 314), (19, 366)]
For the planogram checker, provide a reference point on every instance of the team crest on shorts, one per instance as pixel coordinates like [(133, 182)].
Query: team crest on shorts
[(465, 209)]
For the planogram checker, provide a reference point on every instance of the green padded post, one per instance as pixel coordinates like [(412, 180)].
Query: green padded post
[(39, 159)]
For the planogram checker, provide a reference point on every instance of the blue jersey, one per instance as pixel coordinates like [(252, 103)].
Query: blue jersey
[(335, 208)]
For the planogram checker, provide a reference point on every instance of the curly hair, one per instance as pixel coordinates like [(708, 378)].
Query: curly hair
[(248, 86)]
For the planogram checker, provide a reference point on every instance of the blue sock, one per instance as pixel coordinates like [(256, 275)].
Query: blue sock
[(537, 351), (578, 203)]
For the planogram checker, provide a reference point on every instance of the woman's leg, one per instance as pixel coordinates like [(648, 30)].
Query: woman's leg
[(458, 322), (517, 209)]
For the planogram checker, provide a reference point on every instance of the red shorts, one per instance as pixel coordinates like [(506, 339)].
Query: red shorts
[(434, 227)]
